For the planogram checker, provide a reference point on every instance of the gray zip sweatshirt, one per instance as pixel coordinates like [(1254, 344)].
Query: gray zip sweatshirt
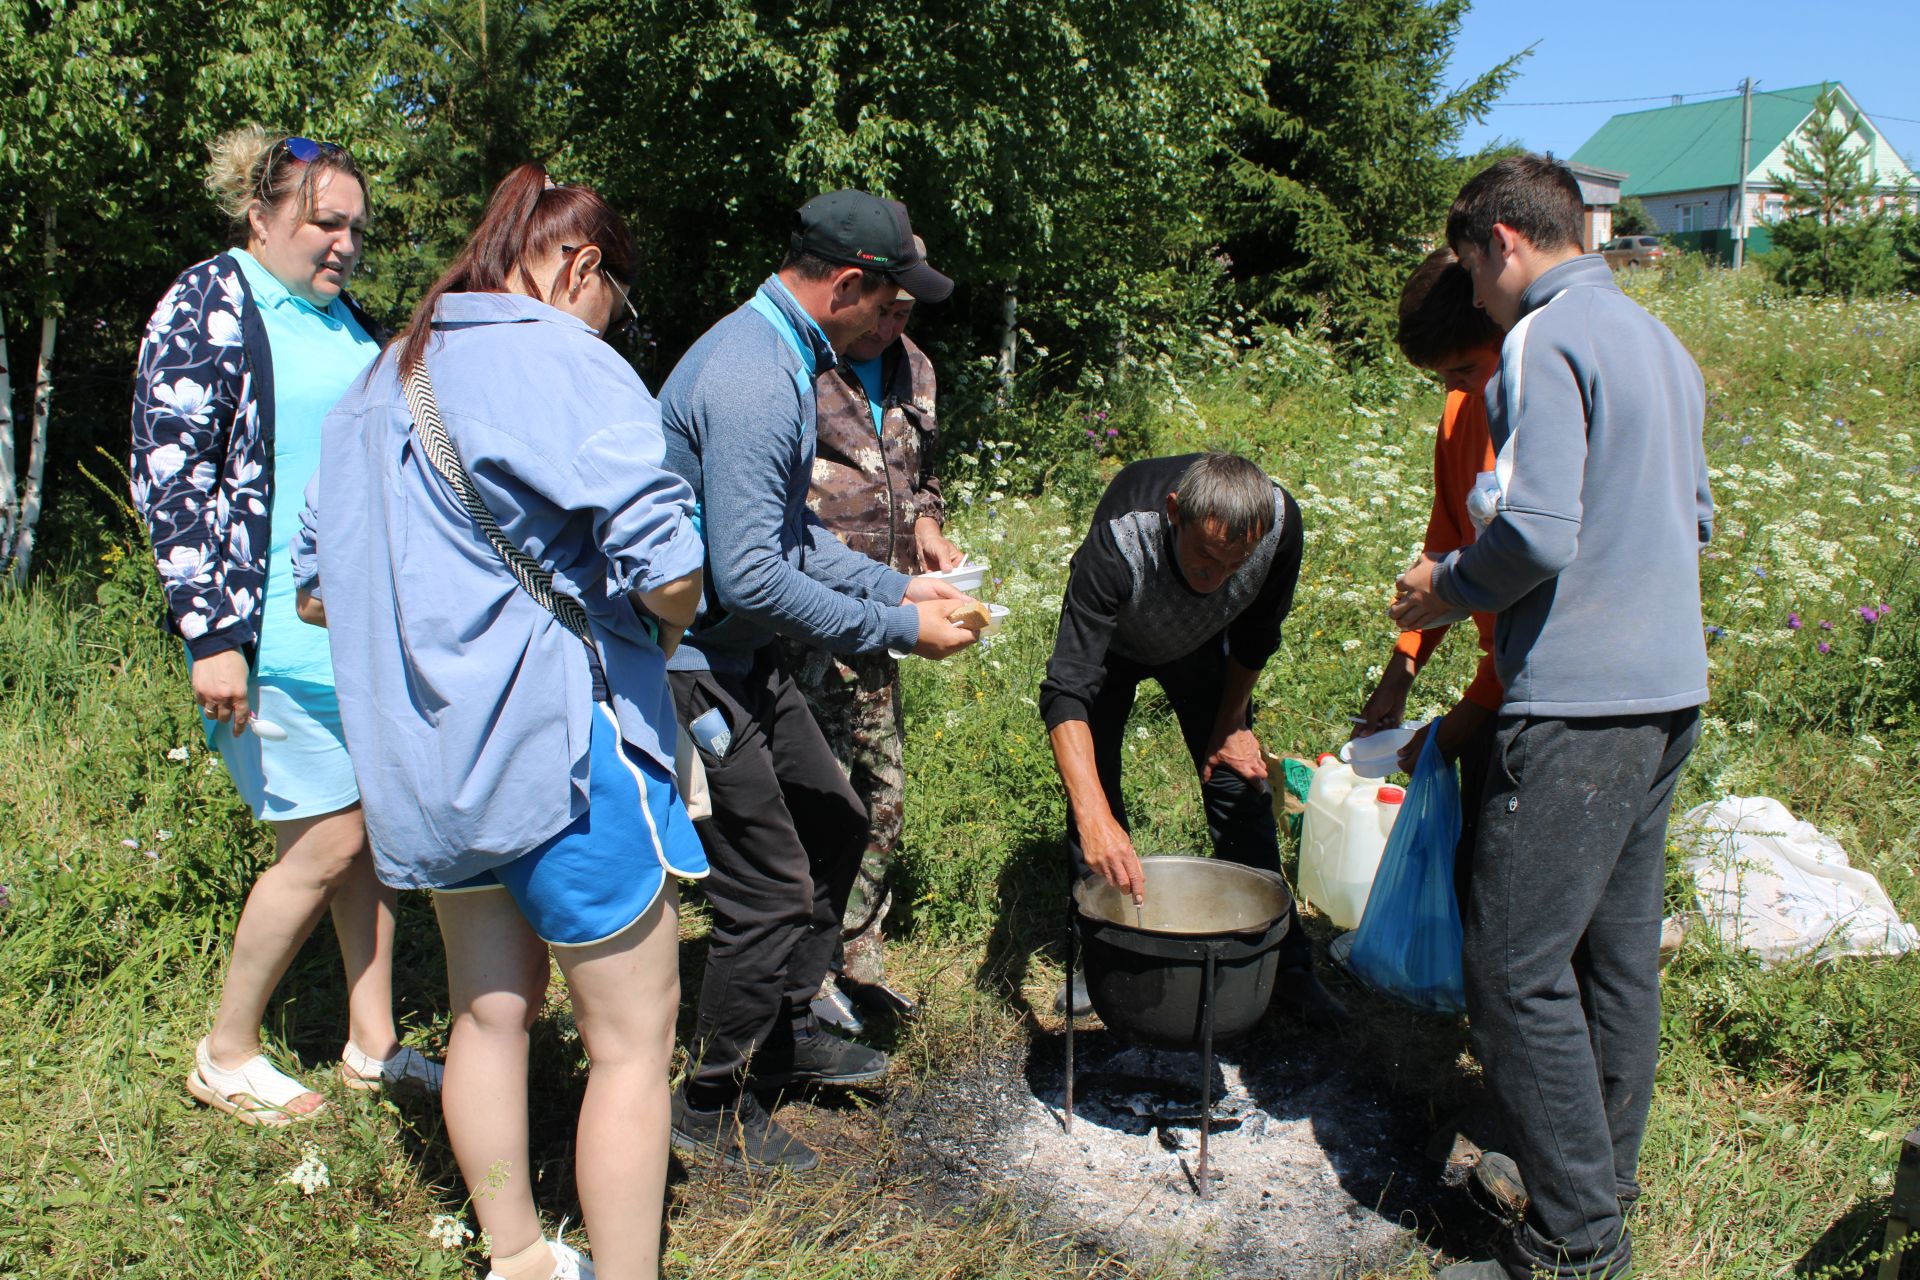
[(1593, 560), (738, 414)]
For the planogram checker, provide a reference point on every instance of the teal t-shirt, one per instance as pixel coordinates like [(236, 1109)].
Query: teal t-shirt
[(868, 371), (316, 356)]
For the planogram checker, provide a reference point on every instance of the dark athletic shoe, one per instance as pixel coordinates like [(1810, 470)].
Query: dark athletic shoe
[(742, 1135), (1298, 994), (825, 1058), (1082, 1002)]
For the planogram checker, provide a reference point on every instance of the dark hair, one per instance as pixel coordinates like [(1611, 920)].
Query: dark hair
[(1228, 489), (1536, 196), (1437, 315), (526, 217), (811, 266), (249, 165)]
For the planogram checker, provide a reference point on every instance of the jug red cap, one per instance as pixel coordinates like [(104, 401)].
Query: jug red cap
[(1325, 757), (1392, 795)]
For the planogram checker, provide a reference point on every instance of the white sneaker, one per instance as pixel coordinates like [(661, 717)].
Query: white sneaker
[(568, 1264), (407, 1068)]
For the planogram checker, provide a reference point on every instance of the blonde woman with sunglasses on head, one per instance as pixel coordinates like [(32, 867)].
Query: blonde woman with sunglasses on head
[(241, 361)]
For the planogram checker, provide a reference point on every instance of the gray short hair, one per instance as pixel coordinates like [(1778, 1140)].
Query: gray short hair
[(1228, 489)]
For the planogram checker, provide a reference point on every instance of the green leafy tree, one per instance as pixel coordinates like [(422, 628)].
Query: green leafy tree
[(464, 96), (1342, 167), (1834, 241), (1054, 156), (1630, 218), (105, 110)]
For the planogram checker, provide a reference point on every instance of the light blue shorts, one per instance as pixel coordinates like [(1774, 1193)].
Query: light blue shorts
[(305, 776), (606, 869)]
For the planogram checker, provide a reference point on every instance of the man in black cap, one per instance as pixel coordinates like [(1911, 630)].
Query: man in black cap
[(787, 830)]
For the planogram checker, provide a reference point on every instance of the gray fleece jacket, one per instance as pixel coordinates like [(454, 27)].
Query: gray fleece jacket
[(1593, 560), (738, 414)]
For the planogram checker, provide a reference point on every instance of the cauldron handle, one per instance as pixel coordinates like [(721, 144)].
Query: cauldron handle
[(1073, 933), (1206, 1066)]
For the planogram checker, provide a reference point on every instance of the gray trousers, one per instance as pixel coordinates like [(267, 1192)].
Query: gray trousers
[(1562, 968)]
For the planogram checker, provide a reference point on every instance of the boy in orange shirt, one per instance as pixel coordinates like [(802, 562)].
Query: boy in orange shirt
[(1442, 330)]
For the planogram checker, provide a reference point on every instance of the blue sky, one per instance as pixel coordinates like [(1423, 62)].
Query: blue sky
[(1652, 51)]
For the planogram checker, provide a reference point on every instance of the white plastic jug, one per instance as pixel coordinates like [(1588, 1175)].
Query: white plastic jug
[(1341, 839)]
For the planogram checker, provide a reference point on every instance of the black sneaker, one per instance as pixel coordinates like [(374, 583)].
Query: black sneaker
[(743, 1135), (825, 1058)]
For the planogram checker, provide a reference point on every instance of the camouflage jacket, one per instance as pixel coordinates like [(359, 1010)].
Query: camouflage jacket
[(870, 492)]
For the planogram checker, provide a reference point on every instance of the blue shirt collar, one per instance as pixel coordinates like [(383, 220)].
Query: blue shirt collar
[(804, 326), (267, 290), (501, 308)]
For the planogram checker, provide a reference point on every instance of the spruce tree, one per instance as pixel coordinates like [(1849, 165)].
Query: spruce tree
[(1834, 242)]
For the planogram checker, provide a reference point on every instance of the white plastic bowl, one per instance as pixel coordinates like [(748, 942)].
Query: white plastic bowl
[(1376, 755), (996, 614), (967, 577)]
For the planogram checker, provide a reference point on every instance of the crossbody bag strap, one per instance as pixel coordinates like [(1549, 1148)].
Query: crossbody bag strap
[(532, 576)]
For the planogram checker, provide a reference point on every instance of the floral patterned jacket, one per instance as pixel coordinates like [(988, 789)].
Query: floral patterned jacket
[(202, 466), (870, 495)]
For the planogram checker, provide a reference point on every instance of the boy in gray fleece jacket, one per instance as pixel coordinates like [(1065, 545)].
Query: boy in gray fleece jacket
[(1592, 523)]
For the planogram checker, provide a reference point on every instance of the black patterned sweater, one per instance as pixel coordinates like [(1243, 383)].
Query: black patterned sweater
[(1127, 598)]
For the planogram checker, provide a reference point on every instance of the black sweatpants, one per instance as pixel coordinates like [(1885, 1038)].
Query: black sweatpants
[(784, 844), (1563, 968), (1240, 822)]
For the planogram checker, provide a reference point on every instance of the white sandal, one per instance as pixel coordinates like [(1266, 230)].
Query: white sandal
[(568, 1262), (406, 1069), (255, 1092)]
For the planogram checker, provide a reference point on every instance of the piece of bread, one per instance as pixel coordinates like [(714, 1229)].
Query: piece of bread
[(972, 615)]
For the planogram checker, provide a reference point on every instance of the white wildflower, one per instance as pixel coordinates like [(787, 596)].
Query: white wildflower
[(310, 1174), (178, 753), (1349, 645), (448, 1231)]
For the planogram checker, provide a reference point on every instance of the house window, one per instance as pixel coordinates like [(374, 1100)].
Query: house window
[(1690, 217), (1774, 209)]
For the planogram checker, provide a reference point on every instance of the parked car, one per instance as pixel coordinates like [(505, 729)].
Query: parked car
[(1633, 252)]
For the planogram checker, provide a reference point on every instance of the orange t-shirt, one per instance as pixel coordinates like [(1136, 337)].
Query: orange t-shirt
[(1462, 451)]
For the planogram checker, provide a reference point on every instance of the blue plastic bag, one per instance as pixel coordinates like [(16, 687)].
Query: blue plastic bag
[(1408, 942)]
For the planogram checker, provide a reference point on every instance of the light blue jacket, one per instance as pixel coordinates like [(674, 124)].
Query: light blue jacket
[(467, 706), (1593, 560), (739, 416)]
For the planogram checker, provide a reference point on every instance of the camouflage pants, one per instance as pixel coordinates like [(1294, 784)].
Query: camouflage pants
[(856, 700)]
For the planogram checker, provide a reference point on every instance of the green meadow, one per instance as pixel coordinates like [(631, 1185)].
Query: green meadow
[(124, 854)]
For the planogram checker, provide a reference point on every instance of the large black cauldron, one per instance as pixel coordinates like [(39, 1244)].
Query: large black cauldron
[(1148, 973)]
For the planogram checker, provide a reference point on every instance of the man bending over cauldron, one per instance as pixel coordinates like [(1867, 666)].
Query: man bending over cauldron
[(1184, 578)]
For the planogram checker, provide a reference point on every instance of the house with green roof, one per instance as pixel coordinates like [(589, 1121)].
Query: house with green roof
[(1682, 162)]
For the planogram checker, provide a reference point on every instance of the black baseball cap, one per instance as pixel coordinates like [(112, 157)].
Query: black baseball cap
[(855, 229)]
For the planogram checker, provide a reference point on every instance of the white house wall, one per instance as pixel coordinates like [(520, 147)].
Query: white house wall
[(1882, 161), (1664, 209)]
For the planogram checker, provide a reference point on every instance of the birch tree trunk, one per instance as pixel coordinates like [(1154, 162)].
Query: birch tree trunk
[(20, 547), (1009, 345), (9, 488)]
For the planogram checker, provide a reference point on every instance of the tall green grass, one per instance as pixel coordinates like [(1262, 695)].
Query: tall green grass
[(125, 855)]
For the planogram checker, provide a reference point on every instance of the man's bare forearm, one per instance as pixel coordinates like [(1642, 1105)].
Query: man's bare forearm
[(1236, 692), (1079, 772)]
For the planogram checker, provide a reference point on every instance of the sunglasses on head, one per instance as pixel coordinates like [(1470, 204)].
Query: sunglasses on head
[(306, 150)]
